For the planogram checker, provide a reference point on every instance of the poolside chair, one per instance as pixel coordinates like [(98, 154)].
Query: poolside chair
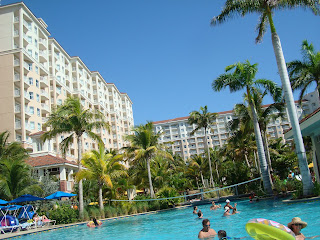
[(9, 224)]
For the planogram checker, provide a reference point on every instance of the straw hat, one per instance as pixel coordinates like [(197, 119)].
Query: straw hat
[(297, 220)]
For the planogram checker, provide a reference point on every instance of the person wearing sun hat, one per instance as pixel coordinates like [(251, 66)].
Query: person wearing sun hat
[(228, 204), (296, 225)]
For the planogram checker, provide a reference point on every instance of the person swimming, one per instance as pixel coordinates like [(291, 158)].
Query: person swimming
[(94, 220), (226, 211), (200, 214), (195, 208), (206, 231)]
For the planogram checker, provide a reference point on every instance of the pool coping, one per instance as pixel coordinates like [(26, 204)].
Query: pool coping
[(301, 200), (56, 227)]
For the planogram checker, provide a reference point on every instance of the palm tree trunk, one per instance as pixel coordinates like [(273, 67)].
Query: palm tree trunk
[(247, 161), (150, 180), (266, 149), (267, 183), (217, 171), (209, 159), (300, 150), (202, 179), (80, 182), (101, 200)]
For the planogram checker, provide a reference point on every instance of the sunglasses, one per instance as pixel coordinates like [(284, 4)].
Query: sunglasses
[(297, 224), (208, 225)]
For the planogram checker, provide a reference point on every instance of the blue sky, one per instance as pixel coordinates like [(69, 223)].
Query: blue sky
[(165, 54)]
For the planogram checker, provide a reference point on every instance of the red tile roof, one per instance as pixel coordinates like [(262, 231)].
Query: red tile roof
[(37, 133), (47, 160)]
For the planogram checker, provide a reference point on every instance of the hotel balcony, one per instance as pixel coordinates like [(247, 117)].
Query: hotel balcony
[(44, 94), (44, 81), (45, 107)]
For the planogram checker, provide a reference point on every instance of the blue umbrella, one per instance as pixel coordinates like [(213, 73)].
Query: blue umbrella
[(10, 207), (26, 198), (59, 194), (3, 202)]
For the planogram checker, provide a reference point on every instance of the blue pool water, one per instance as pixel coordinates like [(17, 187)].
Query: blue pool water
[(182, 224)]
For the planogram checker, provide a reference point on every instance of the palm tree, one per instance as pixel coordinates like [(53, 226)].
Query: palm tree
[(15, 179), (303, 73), (102, 167), (243, 77), (199, 163), (265, 9), (243, 118), (144, 146), (12, 150), (71, 118), (204, 119)]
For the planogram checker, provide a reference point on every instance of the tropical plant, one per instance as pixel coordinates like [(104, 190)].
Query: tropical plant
[(144, 146), (71, 118), (102, 167), (243, 77), (200, 164), (15, 179), (12, 150), (204, 119), (304, 73), (265, 114), (265, 9)]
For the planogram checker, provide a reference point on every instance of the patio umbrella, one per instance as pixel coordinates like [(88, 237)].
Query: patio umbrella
[(2, 202), (26, 198), (59, 195)]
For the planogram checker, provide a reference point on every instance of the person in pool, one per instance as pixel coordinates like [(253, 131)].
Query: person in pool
[(195, 208), (206, 231), (234, 210), (296, 225), (200, 214), (226, 211), (94, 220), (214, 206), (228, 204)]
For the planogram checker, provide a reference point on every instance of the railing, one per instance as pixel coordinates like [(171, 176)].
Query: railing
[(17, 108), (16, 19), (44, 93), (42, 41), (45, 106), (17, 77), (18, 125), (44, 80), (44, 119)]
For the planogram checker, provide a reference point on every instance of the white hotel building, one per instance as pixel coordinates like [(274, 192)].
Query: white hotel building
[(177, 131), (37, 74)]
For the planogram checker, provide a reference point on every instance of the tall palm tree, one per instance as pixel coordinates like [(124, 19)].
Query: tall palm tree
[(144, 146), (71, 118), (265, 8), (102, 167), (265, 115), (204, 119), (243, 77), (303, 73)]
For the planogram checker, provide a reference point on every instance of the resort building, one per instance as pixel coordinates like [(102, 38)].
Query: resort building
[(176, 132), (37, 74)]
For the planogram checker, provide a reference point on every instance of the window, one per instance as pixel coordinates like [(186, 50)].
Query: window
[(59, 101), (30, 66), (37, 69), (38, 98), (38, 112), (30, 95), (29, 39), (30, 52), (31, 110), (31, 125), (39, 127), (35, 29), (36, 55), (30, 80), (37, 83), (36, 42)]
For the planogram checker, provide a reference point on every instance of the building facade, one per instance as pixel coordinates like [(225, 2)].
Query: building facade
[(37, 74), (176, 132)]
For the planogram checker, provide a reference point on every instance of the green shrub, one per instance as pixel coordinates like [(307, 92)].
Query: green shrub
[(64, 214), (316, 189), (110, 211)]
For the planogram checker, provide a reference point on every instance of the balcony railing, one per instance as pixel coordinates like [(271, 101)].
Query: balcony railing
[(45, 106)]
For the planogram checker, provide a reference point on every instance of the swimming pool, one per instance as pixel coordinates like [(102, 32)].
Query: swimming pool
[(182, 224)]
